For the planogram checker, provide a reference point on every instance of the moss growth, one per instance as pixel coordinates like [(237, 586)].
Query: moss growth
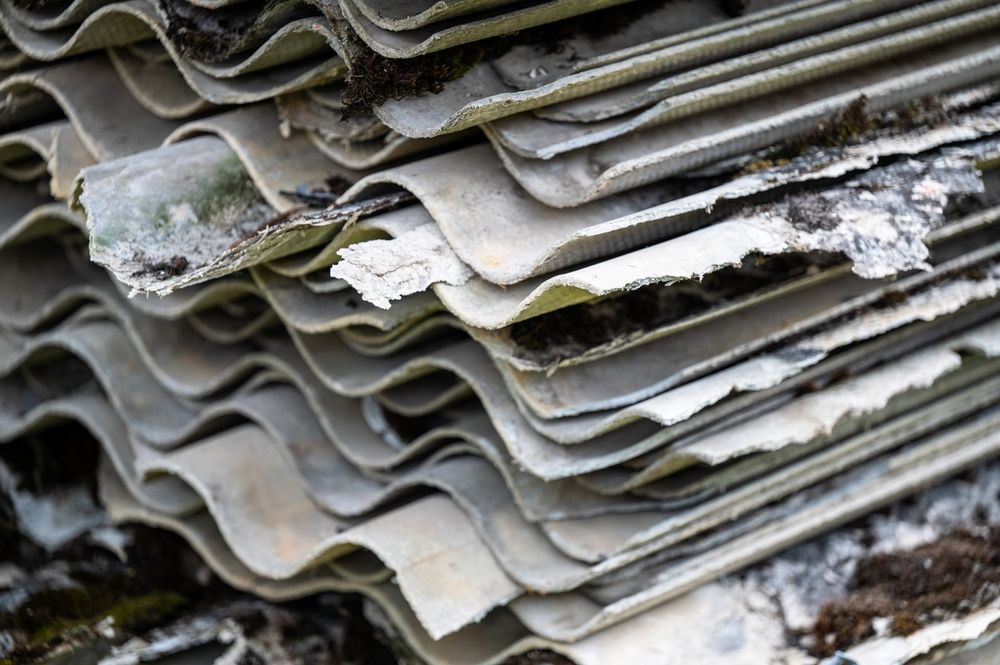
[(214, 34), (949, 577), (845, 127), (569, 332), (227, 194), (763, 165), (856, 124), (175, 265), (159, 582), (56, 617)]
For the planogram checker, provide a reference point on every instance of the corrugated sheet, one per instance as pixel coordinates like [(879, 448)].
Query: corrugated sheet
[(531, 358)]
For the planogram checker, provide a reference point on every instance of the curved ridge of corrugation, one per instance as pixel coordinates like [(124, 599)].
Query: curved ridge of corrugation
[(261, 40), (421, 14), (25, 215), (275, 163), (370, 154), (92, 411), (668, 588), (314, 537), (215, 371), (221, 327), (227, 241), (451, 109), (74, 12), (639, 96), (246, 131), (329, 312), (485, 643), (479, 245), (384, 345), (76, 282), (87, 107), (159, 87), (558, 179), (321, 110), (52, 149), (296, 40), (137, 20), (399, 44), (155, 414), (34, 141)]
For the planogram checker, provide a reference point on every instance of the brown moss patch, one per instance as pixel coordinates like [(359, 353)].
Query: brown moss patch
[(852, 125), (215, 34), (949, 577), (566, 333), (855, 123), (844, 127), (172, 267)]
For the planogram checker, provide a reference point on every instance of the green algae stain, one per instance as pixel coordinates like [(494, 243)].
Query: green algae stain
[(58, 617)]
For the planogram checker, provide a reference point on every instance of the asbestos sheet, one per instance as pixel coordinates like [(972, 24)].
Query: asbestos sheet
[(499, 636), (538, 454), (276, 164), (461, 30), (451, 110), (93, 412), (677, 143), (88, 107), (158, 86), (251, 505), (766, 229), (123, 23), (197, 233), (519, 132), (620, 379), (916, 467)]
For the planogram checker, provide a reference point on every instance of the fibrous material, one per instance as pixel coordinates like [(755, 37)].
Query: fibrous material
[(608, 331)]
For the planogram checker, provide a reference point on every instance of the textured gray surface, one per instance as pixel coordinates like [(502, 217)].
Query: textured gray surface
[(512, 448)]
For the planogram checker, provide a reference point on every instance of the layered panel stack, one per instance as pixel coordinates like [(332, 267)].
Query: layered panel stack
[(529, 321)]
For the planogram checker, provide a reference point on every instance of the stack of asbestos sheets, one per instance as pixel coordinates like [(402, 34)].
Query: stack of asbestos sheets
[(530, 321)]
